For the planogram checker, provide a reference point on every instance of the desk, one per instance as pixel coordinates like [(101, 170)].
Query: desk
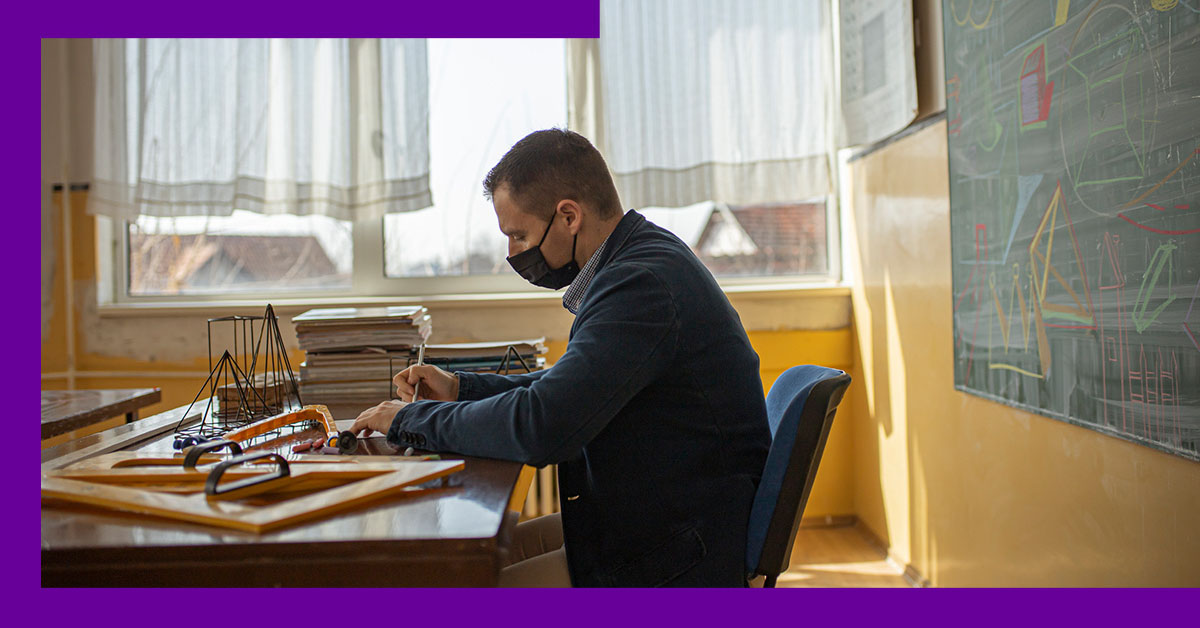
[(68, 410), (450, 537)]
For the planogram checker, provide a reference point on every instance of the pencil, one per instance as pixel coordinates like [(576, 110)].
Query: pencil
[(420, 361)]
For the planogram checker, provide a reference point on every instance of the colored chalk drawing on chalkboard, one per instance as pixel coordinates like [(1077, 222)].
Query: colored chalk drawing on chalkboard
[(1074, 146)]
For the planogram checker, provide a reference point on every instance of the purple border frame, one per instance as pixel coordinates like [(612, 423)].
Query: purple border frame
[(26, 23)]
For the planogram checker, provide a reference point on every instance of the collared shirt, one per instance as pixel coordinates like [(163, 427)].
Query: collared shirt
[(573, 297)]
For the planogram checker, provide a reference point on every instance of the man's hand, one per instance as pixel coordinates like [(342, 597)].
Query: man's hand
[(377, 419), (436, 384)]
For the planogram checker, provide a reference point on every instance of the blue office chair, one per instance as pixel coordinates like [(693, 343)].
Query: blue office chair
[(800, 409)]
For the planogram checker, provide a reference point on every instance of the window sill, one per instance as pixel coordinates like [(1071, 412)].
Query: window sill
[(756, 292)]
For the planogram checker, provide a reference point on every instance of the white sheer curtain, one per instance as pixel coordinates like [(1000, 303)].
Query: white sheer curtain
[(726, 100), (191, 127)]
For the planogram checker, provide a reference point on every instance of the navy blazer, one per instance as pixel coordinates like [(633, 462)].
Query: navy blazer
[(654, 415)]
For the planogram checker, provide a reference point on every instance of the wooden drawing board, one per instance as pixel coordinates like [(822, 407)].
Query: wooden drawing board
[(160, 473), (149, 468), (144, 470), (388, 478)]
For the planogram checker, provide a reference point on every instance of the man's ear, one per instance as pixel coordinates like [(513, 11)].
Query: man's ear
[(573, 214)]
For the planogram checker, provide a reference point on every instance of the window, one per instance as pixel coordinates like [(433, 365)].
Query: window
[(483, 96)]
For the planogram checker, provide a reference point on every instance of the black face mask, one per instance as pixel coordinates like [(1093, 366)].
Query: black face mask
[(532, 266)]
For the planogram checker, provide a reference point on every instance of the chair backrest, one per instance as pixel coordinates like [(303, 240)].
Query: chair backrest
[(800, 409)]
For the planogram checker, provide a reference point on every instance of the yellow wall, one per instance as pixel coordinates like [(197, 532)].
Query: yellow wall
[(968, 491)]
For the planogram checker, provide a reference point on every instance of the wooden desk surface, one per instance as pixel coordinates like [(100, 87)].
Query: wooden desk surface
[(451, 537), (68, 410)]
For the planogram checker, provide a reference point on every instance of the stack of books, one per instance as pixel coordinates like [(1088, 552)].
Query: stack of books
[(266, 395), (350, 353), (345, 329)]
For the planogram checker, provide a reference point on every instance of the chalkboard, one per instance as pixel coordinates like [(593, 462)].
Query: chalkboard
[(1074, 145)]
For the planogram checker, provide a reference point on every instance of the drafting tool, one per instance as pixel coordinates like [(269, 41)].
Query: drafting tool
[(345, 441), (163, 486), (420, 361), (314, 444)]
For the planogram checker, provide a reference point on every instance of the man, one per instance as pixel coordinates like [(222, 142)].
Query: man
[(654, 414)]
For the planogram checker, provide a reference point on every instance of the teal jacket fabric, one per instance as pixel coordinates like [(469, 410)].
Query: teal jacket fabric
[(654, 415)]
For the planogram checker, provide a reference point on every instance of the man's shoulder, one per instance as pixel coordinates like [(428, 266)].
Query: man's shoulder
[(649, 263), (660, 252), (651, 247)]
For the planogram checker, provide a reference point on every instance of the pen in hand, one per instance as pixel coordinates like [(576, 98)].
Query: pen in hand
[(420, 361)]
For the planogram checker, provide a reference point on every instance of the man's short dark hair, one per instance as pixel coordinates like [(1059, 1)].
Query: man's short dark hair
[(548, 166)]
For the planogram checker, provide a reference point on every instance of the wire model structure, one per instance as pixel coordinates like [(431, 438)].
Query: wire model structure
[(252, 382), (506, 366)]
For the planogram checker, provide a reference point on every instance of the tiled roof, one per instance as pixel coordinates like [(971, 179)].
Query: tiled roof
[(789, 238)]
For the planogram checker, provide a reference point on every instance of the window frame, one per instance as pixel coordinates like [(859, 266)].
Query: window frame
[(369, 282)]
